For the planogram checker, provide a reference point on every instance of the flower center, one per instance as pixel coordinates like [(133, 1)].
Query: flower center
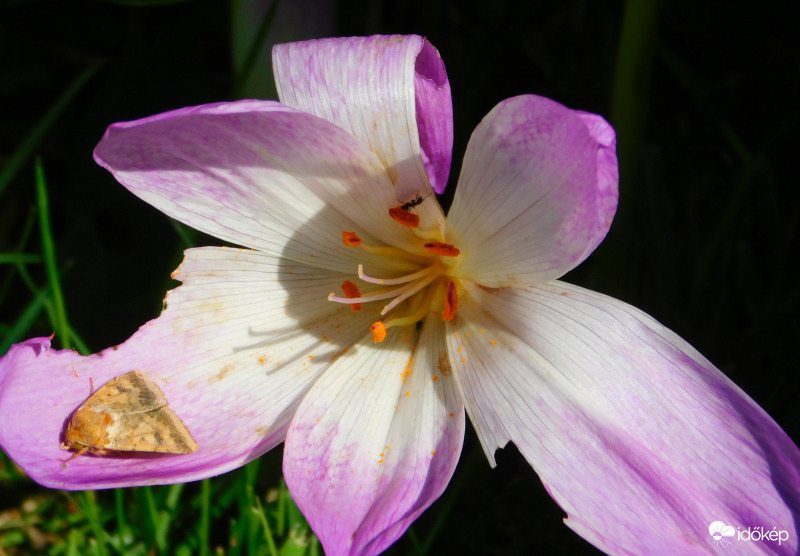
[(426, 288)]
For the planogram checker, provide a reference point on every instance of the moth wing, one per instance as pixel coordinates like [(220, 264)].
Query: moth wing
[(160, 431), (127, 394)]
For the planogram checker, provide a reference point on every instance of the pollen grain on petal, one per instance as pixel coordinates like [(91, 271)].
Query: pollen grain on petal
[(351, 291), (404, 217), (378, 332), (351, 239), (443, 249)]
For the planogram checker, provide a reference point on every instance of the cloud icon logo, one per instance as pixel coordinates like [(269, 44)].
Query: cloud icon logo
[(718, 530)]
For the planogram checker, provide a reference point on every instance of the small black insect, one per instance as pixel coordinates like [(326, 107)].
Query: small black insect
[(414, 202)]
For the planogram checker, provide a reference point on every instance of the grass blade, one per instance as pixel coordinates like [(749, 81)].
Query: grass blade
[(252, 54), (49, 254), (20, 328), (19, 258), (262, 516), (34, 138), (205, 516), (90, 510)]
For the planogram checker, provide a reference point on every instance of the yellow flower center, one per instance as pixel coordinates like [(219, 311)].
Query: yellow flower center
[(427, 288)]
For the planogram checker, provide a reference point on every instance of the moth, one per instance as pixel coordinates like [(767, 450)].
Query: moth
[(127, 414)]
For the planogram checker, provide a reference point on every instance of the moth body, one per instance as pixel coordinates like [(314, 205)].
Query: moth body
[(127, 414)]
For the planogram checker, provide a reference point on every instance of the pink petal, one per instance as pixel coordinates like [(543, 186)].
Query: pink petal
[(240, 343), (390, 91), (376, 441), (640, 439), (259, 174), (543, 180)]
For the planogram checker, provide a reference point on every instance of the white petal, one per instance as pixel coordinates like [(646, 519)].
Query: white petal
[(376, 440), (259, 174), (536, 194), (639, 438)]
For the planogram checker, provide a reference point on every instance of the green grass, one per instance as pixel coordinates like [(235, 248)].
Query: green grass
[(232, 515)]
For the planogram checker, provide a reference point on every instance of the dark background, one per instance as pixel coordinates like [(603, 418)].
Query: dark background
[(703, 95)]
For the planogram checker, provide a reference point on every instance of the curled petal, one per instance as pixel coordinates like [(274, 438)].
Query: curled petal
[(376, 441), (240, 343), (640, 439), (390, 91), (607, 173), (537, 192)]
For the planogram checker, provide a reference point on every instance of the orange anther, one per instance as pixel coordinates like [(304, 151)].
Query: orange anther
[(404, 217), (351, 292), (378, 332), (443, 249), (450, 302), (351, 239)]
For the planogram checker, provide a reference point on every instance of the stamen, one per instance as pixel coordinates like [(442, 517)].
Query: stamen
[(394, 281), (450, 302), (404, 217), (378, 332), (417, 271), (351, 239), (409, 291), (351, 292), (443, 249), (374, 296)]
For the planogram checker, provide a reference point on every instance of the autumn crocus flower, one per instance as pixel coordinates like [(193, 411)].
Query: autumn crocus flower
[(358, 323)]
